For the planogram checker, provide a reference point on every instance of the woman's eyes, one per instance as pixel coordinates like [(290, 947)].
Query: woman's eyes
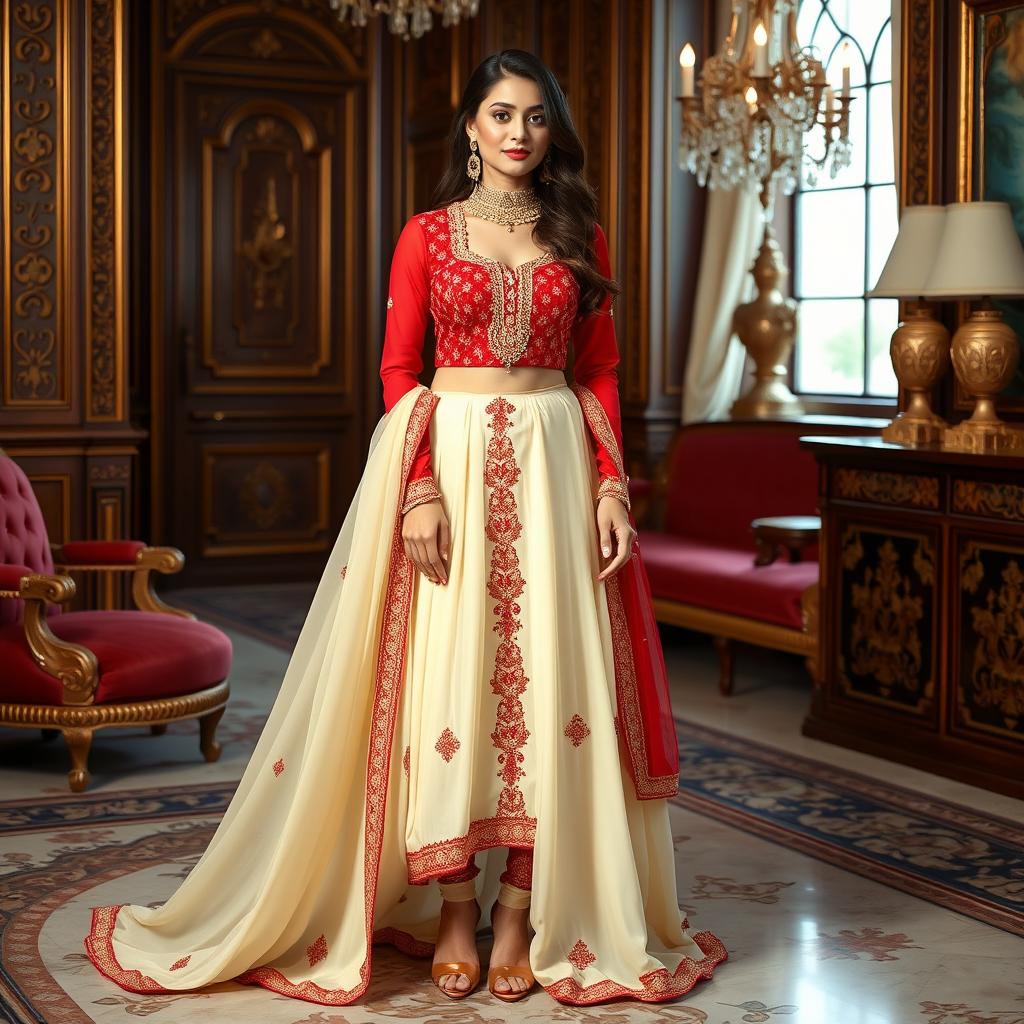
[(500, 113)]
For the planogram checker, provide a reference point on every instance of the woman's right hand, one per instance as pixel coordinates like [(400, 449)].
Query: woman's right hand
[(425, 536)]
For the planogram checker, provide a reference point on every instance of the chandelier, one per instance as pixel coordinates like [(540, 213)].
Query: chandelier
[(762, 93), (763, 96), (407, 18)]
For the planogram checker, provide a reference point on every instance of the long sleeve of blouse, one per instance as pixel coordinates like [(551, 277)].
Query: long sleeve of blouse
[(402, 357), (595, 366)]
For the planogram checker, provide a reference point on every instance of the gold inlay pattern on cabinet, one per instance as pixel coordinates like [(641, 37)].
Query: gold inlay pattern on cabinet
[(1001, 501), (887, 488), (994, 679), (885, 646)]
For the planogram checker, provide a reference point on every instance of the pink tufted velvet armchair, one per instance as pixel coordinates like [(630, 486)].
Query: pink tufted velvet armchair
[(77, 671)]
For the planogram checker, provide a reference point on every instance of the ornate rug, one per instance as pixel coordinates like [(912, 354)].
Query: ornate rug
[(942, 852)]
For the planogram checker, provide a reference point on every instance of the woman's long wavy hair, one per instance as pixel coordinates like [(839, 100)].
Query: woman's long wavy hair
[(568, 204)]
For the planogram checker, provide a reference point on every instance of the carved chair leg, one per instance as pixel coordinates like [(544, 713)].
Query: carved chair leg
[(207, 727), (79, 741), (158, 729), (725, 649)]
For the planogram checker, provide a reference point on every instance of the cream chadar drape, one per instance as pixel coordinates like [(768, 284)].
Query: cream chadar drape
[(314, 859)]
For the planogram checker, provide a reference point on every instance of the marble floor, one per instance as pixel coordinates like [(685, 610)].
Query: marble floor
[(808, 941)]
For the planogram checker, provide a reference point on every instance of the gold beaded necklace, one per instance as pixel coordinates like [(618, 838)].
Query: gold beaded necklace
[(518, 206)]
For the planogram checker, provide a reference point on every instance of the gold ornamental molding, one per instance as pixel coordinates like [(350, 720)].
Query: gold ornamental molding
[(887, 488), (919, 107), (1000, 501), (105, 323), (34, 161)]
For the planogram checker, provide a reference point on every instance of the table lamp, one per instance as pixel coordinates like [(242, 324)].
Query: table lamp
[(920, 345), (980, 256)]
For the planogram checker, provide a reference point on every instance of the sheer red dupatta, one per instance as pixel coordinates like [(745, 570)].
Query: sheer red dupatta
[(646, 724)]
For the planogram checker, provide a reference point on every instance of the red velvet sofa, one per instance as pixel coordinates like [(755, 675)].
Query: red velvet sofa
[(694, 528)]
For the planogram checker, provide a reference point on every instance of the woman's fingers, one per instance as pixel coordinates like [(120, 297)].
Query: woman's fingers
[(623, 534)]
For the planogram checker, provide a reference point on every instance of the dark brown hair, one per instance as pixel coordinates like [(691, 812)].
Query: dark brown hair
[(568, 203)]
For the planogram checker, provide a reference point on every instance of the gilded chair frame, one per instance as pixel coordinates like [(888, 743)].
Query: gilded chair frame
[(77, 669)]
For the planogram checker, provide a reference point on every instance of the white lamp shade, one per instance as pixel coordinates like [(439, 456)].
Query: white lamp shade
[(979, 254), (910, 262)]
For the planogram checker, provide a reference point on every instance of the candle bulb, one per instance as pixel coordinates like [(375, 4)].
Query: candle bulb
[(751, 97), (760, 51), (844, 56), (687, 59)]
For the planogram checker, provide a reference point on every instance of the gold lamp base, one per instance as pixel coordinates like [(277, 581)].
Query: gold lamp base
[(985, 356), (988, 438), (920, 356)]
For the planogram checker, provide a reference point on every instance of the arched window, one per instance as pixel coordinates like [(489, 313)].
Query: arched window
[(845, 226)]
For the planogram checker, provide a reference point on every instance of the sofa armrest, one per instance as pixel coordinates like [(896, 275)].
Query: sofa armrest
[(75, 666)]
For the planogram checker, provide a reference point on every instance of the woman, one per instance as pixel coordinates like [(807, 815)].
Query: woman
[(475, 719)]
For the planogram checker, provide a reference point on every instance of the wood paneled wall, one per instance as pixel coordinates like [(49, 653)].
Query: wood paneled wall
[(64, 410), (126, 390)]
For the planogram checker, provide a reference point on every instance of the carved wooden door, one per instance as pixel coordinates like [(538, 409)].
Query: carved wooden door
[(260, 286)]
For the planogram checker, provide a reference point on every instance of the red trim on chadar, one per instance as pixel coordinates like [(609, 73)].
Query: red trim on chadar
[(656, 987), (641, 678), (387, 689), (447, 856)]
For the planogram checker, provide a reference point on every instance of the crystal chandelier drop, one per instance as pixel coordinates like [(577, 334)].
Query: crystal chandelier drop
[(761, 101), (407, 18)]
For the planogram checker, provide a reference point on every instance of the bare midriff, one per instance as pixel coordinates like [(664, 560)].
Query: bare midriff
[(489, 379)]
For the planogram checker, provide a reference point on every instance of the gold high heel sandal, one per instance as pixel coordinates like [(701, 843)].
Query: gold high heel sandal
[(472, 971), (508, 971)]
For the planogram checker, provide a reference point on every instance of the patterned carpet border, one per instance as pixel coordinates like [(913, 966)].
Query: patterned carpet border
[(945, 853)]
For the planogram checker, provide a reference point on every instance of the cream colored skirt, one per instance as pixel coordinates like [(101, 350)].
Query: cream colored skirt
[(419, 724)]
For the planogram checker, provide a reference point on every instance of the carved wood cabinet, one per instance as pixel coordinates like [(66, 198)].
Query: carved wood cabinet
[(922, 604)]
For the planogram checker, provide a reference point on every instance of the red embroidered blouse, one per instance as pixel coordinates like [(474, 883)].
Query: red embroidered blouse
[(488, 314)]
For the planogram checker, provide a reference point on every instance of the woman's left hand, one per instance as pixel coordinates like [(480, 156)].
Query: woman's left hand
[(615, 534)]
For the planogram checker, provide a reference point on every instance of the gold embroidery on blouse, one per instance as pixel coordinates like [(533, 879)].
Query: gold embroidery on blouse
[(508, 332)]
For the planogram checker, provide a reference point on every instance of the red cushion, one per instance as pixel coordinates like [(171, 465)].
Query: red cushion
[(724, 579), (141, 655), (105, 552), (23, 539), (721, 480)]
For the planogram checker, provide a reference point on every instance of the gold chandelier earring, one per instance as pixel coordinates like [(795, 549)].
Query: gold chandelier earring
[(545, 170), (473, 166)]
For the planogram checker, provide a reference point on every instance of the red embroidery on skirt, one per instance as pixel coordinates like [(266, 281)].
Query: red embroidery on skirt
[(451, 855), (447, 743), (317, 951), (580, 956), (405, 762), (279, 766), (344, 569), (505, 583), (180, 963), (577, 730)]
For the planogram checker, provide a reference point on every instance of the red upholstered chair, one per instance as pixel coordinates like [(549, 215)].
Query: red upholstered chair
[(78, 671)]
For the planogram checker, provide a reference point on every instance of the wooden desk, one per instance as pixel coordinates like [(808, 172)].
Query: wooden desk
[(922, 608)]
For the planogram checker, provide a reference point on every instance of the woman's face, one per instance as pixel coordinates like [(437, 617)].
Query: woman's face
[(510, 119)]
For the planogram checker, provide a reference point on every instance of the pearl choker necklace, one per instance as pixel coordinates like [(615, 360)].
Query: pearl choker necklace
[(519, 206)]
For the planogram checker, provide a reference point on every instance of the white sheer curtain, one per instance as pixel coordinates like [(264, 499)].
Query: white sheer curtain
[(732, 234)]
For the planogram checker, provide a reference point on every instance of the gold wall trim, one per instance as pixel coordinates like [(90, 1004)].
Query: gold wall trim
[(919, 113), (105, 260), (35, 131)]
